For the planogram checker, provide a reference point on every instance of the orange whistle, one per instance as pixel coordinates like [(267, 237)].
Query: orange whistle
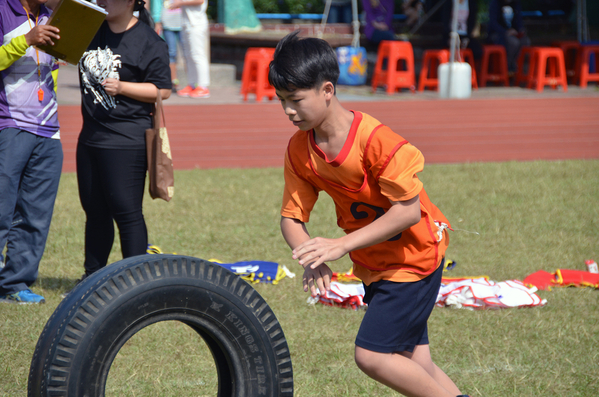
[(40, 95)]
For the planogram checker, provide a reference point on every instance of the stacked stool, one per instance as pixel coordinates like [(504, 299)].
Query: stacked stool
[(547, 67), (428, 73), (583, 67), (254, 78), (467, 56), (398, 56), (493, 66), (571, 51)]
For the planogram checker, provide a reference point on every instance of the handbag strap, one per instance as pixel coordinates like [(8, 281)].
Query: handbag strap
[(159, 111)]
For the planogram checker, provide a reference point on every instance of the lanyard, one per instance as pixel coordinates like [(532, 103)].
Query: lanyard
[(40, 92)]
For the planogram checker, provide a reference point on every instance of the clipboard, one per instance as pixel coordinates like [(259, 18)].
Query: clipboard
[(78, 21)]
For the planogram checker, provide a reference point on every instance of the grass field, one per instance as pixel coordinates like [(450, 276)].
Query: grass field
[(528, 216)]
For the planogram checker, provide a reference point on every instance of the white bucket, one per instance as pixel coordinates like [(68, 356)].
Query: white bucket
[(461, 80)]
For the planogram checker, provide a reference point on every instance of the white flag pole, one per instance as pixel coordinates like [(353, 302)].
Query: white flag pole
[(453, 45)]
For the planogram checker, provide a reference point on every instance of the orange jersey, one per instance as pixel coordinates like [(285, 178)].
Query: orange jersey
[(374, 166)]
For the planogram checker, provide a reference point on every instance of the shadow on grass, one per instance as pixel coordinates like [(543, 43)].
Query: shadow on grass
[(59, 284)]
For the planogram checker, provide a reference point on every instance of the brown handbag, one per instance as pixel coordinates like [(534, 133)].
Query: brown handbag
[(160, 159)]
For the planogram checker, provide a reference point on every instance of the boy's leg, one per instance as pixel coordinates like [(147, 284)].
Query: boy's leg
[(401, 374), (422, 356), (392, 343)]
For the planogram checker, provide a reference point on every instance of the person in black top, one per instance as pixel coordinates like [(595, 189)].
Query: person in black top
[(507, 29), (119, 73)]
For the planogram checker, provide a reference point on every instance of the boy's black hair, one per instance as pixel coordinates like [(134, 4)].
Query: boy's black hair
[(302, 63)]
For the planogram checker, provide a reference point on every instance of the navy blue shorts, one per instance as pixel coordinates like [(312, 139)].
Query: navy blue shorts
[(397, 314)]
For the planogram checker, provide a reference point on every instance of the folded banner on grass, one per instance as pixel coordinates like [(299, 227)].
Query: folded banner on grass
[(347, 296), (482, 293), (470, 293), (562, 278), (154, 249), (257, 271)]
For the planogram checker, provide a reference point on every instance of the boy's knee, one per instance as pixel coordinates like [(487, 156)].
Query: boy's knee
[(367, 360)]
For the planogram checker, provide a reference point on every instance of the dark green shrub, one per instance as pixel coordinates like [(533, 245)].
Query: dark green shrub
[(289, 6)]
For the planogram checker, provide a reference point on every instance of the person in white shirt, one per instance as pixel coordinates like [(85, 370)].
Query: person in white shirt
[(195, 41)]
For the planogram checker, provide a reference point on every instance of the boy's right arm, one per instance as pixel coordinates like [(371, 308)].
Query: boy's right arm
[(295, 232)]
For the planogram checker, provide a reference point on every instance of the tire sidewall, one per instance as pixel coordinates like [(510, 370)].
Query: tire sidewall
[(109, 307)]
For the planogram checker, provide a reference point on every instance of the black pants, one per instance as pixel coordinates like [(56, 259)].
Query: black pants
[(111, 188)]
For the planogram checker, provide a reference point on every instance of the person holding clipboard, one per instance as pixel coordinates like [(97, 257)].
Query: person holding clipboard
[(30, 149)]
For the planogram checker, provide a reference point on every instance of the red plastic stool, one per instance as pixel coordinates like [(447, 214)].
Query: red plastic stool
[(547, 68), (467, 56), (254, 78), (399, 73), (428, 73), (525, 57), (571, 51), (583, 65), (493, 66)]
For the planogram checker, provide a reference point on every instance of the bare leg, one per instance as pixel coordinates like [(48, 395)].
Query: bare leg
[(422, 356), (173, 67), (412, 374)]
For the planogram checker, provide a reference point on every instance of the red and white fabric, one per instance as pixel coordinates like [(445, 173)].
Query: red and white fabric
[(481, 293), (470, 293), (349, 296)]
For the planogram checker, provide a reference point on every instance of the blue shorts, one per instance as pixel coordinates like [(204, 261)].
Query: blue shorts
[(397, 314)]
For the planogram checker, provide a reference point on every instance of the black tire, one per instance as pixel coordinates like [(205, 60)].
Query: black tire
[(81, 339)]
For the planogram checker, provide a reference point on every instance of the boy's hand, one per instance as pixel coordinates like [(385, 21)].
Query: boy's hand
[(319, 250), (317, 278)]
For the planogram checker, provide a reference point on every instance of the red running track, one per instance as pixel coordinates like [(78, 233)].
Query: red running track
[(446, 131)]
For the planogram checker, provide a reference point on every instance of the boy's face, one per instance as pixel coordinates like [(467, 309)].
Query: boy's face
[(306, 107)]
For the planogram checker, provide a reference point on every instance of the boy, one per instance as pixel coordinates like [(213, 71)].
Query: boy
[(396, 237)]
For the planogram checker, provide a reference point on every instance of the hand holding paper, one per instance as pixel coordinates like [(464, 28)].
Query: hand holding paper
[(42, 35), (77, 21)]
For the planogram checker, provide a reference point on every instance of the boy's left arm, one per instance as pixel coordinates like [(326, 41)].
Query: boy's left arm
[(401, 216), (319, 278)]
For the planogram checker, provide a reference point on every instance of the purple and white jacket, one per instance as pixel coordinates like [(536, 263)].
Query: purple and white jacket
[(19, 83)]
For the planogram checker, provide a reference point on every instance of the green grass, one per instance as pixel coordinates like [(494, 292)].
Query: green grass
[(528, 216)]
